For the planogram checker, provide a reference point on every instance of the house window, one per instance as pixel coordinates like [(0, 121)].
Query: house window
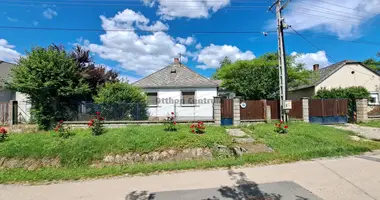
[(152, 98), (374, 99), (188, 98)]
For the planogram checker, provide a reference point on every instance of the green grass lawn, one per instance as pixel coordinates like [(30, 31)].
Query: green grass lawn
[(83, 148), (303, 142), (372, 123)]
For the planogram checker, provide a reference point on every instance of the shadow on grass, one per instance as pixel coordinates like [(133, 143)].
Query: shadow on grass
[(244, 189)]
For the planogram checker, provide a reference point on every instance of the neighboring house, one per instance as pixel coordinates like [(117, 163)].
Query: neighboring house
[(342, 74), (177, 88), (7, 95)]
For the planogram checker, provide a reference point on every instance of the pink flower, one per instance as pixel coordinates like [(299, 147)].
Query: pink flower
[(61, 121), (281, 122), (3, 130), (97, 113), (174, 123), (172, 113)]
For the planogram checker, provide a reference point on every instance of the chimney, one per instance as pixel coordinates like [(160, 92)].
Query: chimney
[(176, 60), (315, 67)]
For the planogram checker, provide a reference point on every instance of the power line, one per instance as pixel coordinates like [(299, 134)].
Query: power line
[(125, 30), (319, 49), (330, 13), (324, 8), (325, 17), (340, 6)]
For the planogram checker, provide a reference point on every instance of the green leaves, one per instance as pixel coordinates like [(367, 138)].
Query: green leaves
[(258, 78)]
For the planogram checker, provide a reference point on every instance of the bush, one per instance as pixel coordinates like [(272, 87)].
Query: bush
[(3, 134), (281, 128), (198, 128), (96, 125), (170, 123), (122, 101), (350, 93), (63, 131)]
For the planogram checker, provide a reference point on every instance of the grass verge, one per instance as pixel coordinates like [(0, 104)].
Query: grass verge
[(303, 142), (372, 123)]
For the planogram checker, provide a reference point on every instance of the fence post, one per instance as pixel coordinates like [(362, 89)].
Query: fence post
[(361, 110), (12, 112), (268, 115), (305, 109), (217, 111), (236, 111)]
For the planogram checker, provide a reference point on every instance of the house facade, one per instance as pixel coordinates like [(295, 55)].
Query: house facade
[(342, 74), (176, 88), (7, 95)]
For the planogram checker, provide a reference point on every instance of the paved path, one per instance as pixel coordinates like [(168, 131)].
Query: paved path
[(350, 178), (364, 131)]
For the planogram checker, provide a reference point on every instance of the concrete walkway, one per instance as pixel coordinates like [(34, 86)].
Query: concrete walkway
[(364, 131), (350, 178)]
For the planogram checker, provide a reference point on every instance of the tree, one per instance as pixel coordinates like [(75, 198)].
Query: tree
[(50, 78), (95, 75), (258, 78), (226, 61), (121, 101), (372, 63)]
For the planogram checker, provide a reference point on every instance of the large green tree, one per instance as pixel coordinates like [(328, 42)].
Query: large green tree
[(226, 61), (373, 63), (121, 101), (258, 78), (50, 78)]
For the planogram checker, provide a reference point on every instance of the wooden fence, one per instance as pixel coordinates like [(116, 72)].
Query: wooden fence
[(296, 111), (328, 107), (4, 113), (274, 108), (254, 110)]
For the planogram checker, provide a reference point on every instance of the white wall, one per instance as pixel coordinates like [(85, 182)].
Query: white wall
[(344, 78), (23, 107), (170, 102)]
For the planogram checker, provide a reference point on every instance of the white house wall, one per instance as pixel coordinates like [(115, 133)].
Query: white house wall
[(24, 107), (169, 102), (344, 78)]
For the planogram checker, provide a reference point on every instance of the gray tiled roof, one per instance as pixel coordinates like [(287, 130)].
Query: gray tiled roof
[(322, 74), (174, 76)]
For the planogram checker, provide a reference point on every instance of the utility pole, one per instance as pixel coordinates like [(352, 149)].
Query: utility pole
[(282, 70)]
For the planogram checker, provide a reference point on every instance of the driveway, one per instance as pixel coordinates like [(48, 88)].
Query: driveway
[(349, 178), (370, 133)]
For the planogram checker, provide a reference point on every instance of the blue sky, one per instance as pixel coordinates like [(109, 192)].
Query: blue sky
[(121, 37)]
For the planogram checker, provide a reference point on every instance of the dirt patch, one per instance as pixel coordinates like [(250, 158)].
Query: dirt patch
[(256, 148)]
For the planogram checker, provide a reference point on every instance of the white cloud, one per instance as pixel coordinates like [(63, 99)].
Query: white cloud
[(325, 17), (142, 54), (169, 9), (49, 13), (7, 52), (186, 41), (198, 46), (309, 59), (12, 19), (212, 55)]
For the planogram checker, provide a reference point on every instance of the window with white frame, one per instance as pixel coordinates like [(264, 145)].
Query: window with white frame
[(188, 98), (152, 98), (374, 98)]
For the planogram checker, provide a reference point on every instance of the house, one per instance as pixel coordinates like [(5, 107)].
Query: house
[(342, 74), (176, 88), (6, 95)]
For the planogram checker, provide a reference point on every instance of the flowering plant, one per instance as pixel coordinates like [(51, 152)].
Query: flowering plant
[(96, 125), (198, 128), (3, 134), (63, 131), (281, 128), (170, 123)]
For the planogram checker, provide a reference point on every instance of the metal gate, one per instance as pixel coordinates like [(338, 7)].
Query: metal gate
[(328, 111), (226, 112)]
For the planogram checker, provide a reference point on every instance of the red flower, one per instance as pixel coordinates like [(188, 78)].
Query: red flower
[(174, 123), (276, 124), (281, 122), (200, 122), (286, 126), (3, 130), (61, 121), (199, 125), (101, 118), (97, 113), (172, 113), (56, 129), (192, 126), (192, 130)]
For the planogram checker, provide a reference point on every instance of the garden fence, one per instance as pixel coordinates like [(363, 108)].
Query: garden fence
[(110, 112)]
